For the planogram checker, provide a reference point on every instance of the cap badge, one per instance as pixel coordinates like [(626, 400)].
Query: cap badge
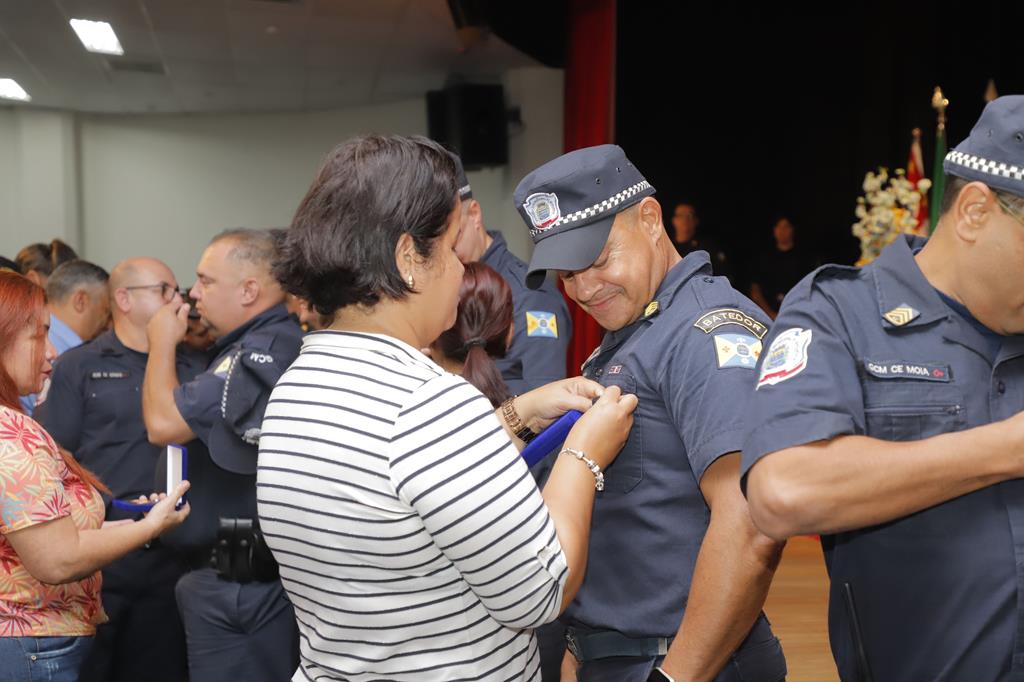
[(542, 208)]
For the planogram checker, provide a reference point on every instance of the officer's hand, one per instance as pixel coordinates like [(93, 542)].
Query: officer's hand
[(163, 516), (603, 430), (170, 323), (542, 406)]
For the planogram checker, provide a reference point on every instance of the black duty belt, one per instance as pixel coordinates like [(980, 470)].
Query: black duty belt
[(240, 554), (590, 645)]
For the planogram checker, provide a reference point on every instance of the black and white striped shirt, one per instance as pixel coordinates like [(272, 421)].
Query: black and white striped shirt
[(412, 539)]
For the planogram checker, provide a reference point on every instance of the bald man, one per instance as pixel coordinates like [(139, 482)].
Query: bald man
[(94, 409)]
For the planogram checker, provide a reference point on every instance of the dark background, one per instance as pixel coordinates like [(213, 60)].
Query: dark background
[(752, 114)]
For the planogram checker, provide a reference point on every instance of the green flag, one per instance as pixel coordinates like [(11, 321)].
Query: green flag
[(938, 177)]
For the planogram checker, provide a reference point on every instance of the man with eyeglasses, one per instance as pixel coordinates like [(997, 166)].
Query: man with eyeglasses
[(94, 409), (886, 418)]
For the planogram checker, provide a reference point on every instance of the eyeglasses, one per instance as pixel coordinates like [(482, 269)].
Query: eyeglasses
[(167, 291), (1007, 209)]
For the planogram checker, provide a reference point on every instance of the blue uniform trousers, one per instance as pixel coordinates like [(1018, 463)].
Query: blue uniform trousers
[(237, 631), (759, 659)]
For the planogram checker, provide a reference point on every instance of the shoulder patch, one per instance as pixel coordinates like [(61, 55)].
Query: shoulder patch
[(737, 350), (541, 323), (901, 315), (787, 356), (710, 321)]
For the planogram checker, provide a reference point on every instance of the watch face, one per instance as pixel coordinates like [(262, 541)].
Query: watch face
[(658, 676)]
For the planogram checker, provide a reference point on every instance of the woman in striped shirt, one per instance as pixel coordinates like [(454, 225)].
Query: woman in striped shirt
[(412, 540)]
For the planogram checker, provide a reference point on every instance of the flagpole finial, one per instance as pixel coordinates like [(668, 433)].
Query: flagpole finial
[(939, 103), (990, 90), (916, 132)]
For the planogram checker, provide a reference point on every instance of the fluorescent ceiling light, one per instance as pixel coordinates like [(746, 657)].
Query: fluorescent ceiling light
[(9, 89), (97, 36)]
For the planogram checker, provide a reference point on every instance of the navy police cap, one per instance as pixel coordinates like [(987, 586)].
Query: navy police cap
[(570, 203), (994, 151)]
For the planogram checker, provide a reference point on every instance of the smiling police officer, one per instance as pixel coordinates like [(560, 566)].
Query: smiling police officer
[(884, 419), (675, 564)]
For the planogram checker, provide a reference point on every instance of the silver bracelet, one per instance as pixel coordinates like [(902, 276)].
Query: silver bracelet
[(591, 464)]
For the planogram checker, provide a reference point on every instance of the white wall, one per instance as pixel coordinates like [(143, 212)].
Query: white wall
[(38, 178), (163, 185)]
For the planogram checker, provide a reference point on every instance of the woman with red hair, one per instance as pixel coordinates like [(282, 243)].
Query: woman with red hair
[(482, 330), (52, 544)]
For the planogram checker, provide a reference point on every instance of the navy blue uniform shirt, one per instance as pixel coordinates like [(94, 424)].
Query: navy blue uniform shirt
[(93, 409), (216, 492), (876, 352), (543, 328), (691, 364)]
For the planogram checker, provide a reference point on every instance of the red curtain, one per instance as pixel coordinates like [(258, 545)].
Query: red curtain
[(589, 120)]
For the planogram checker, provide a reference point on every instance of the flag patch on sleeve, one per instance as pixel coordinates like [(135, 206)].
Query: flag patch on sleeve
[(737, 350), (541, 323)]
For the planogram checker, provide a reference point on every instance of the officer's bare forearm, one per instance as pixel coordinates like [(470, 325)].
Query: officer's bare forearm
[(734, 570), (854, 481), (164, 423)]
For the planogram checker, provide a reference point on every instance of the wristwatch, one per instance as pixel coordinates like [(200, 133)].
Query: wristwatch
[(515, 424), (659, 675)]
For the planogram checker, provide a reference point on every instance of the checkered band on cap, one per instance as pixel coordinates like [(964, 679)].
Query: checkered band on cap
[(996, 168), (597, 209)]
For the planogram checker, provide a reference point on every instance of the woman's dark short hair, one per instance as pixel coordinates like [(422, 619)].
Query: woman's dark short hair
[(340, 248)]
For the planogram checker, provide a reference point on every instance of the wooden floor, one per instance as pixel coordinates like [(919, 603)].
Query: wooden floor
[(798, 609)]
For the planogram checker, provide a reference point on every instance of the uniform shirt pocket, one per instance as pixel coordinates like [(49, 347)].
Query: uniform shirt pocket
[(908, 409), (627, 470)]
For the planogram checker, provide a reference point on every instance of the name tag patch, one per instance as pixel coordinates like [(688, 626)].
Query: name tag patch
[(922, 371), (708, 322), (123, 374)]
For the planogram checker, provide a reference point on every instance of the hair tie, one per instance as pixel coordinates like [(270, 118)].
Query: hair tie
[(475, 341)]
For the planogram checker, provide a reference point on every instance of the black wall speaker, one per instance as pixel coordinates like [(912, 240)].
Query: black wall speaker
[(471, 120)]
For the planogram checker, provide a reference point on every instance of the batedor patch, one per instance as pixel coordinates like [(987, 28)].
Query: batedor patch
[(708, 322), (787, 356), (737, 350)]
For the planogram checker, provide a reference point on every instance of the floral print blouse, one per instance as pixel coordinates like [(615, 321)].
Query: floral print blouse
[(36, 486)]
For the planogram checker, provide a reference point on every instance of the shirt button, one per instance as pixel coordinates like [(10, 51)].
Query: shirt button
[(1001, 387), (709, 280)]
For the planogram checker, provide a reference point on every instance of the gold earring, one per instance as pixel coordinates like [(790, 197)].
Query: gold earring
[(410, 281)]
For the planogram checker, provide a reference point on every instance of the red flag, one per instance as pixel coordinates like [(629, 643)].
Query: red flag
[(915, 172)]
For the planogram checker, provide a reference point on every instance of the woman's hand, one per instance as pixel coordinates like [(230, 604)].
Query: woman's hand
[(603, 430), (163, 516), (542, 406)]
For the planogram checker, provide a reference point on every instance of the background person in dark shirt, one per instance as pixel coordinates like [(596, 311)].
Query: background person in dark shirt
[(780, 268), (686, 239)]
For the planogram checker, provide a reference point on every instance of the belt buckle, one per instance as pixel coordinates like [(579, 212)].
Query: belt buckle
[(573, 644)]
